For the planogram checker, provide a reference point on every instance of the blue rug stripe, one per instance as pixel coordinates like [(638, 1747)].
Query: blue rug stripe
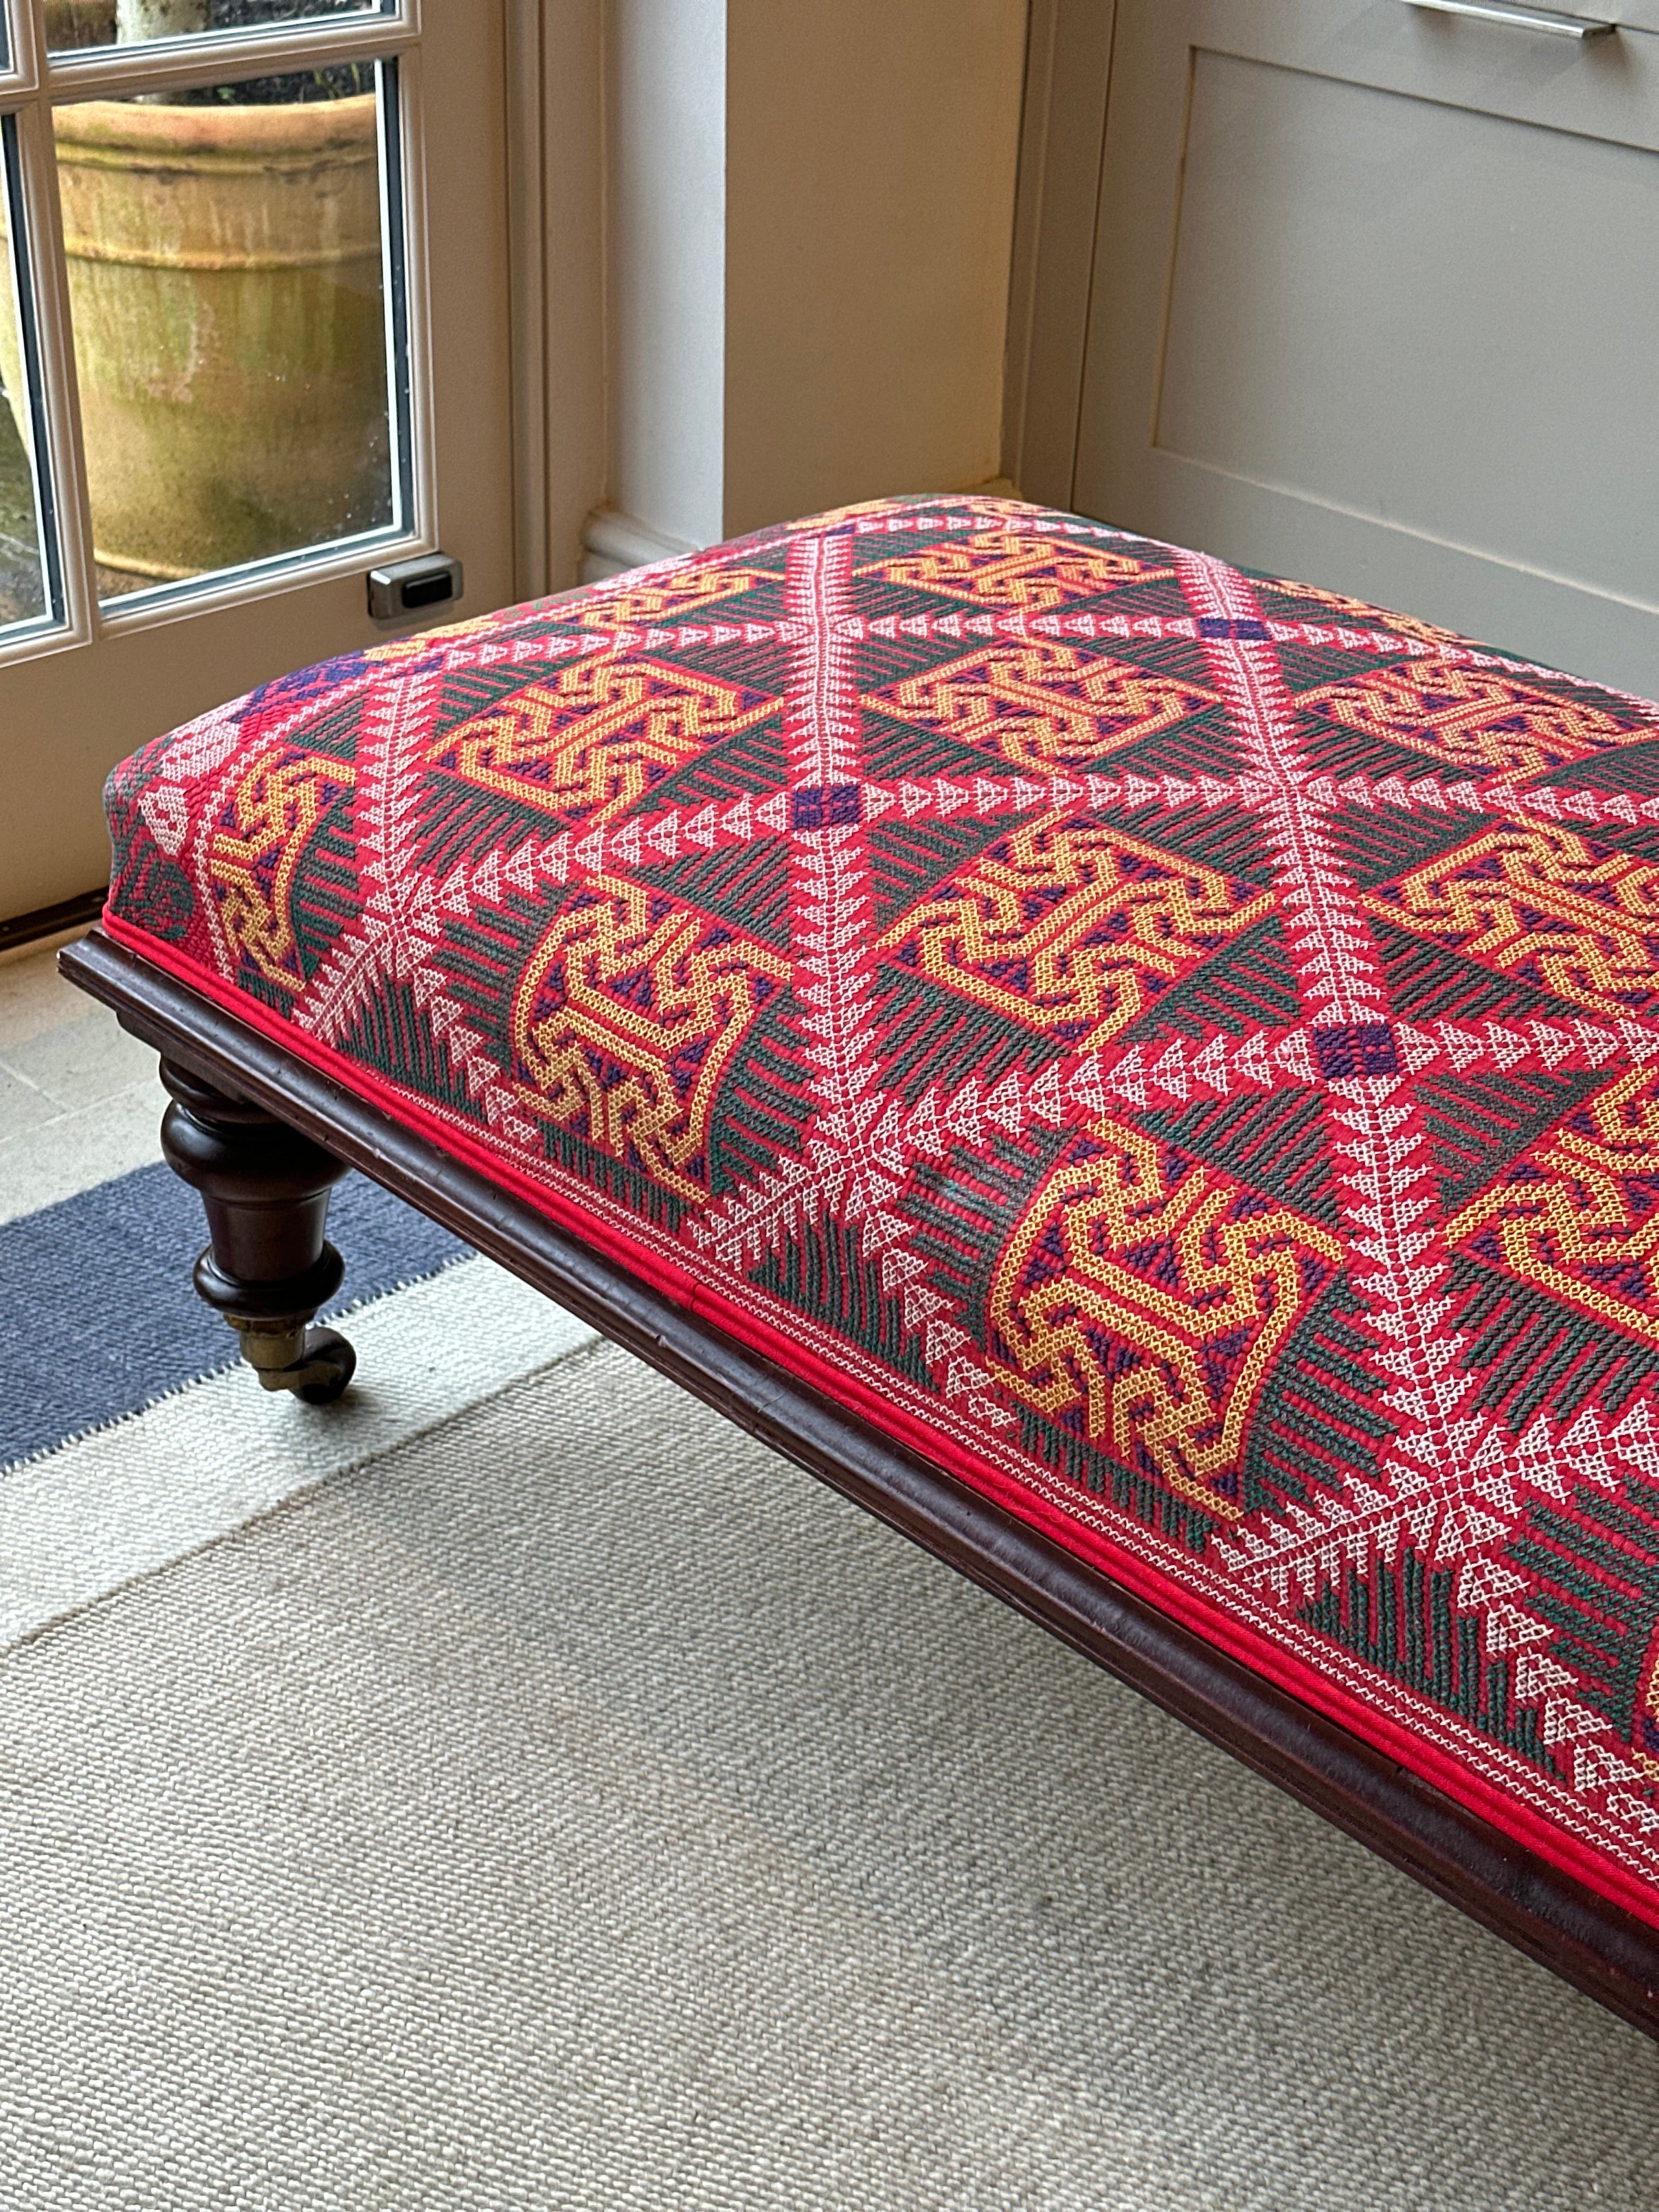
[(100, 1317)]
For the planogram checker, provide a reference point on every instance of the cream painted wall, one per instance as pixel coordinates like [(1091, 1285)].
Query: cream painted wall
[(808, 225), (871, 152)]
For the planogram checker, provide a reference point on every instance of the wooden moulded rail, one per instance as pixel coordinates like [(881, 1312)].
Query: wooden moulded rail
[(1605, 1952)]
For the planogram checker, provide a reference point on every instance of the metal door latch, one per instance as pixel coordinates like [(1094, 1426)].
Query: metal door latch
[(406, 589)]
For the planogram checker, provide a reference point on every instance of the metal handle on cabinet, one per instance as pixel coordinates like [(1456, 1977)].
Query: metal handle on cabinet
[(1519, 18)]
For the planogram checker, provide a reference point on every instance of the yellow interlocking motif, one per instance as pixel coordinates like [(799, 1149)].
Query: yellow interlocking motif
[(1015, 569), (1647, 1725), (624, 1023), (586, 739), (1158, 1310), (1576, 1216), (1041, 707), (678, 596), (1645, 1733), (414, 645), (1538, 901), (276, 811), (1362, 612), (1077, 928), (1471, 716)]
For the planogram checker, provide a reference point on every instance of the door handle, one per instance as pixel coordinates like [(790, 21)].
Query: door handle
[(1519, 18), (404, 590)]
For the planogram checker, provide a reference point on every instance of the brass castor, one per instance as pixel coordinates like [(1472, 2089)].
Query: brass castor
[(314, 1363)]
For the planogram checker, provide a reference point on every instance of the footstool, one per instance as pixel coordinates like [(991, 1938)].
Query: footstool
[(1144, 1076)]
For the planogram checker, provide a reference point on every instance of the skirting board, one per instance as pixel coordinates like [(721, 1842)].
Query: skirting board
[(613, 541)]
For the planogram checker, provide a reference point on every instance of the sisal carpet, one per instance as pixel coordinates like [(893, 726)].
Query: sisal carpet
[(510, 1788), (571, 1805)]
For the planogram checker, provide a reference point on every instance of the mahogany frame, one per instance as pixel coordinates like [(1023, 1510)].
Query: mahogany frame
[(1604, 1951)]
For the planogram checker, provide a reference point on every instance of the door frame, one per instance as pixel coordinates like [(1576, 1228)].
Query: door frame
[(1062, 148), (556, 216)]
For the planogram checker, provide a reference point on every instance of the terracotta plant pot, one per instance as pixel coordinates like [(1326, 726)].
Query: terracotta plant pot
[(74, 23), (225, 280)]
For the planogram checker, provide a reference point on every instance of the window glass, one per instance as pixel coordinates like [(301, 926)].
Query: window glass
[(75, 23), (229, 289), (27, 584)]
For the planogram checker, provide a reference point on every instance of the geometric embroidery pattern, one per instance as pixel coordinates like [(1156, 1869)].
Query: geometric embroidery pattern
[(1150, 1298), (1010, 571), (1180, 1050), (1578, 1214), (1041, 707), (1469, 717), (1072, 928), (1579, 920), (257, 851), (624, 1022), (588, 742)]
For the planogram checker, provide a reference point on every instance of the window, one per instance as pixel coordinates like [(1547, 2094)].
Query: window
[(223, 393)]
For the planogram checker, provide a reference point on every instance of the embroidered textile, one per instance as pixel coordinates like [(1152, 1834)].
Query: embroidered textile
[(1181, 1048)]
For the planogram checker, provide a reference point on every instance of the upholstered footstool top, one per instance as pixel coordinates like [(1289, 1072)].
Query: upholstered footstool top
[(1180, 1050)]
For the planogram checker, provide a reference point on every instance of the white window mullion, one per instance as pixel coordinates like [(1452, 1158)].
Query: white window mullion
[(221, 56), (41, 264), (21, 70), (421, 522)]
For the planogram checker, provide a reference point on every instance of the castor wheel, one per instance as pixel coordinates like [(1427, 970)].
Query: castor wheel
[(334, 1362), (314, 1363)]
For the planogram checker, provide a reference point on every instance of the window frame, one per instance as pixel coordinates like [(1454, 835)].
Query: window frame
[(33, 84)]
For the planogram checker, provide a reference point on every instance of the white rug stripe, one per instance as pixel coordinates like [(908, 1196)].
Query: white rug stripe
[(92, 1144), (579, 1808), (81, 1521)]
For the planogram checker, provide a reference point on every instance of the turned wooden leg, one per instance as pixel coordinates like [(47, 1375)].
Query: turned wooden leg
[(267, 1266)]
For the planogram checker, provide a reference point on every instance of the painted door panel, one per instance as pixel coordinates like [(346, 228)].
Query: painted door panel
[(1375, 303)]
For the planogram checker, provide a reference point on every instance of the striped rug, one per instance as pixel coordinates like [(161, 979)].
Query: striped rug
[(128, 1435), (510, 1787)]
